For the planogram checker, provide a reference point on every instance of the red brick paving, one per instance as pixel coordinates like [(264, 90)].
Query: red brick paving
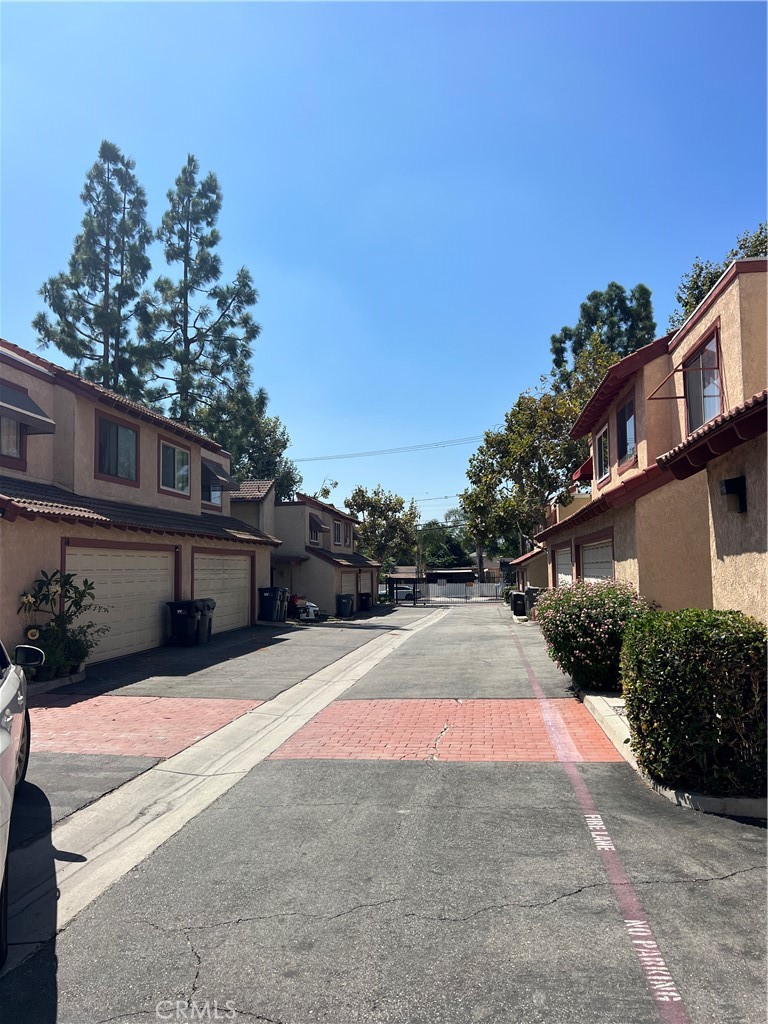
[(149, 726), (444, 730)]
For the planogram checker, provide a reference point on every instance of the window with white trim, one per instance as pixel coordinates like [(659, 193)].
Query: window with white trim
[(174, 468), (314, 533), (210, 492), (336, 532), (702, 385), (602, 455), (625, 429)]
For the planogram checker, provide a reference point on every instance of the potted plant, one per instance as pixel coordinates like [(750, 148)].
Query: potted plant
[(66, 639)]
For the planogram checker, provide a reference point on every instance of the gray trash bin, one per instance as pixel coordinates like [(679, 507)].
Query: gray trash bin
[(205, 606), (344, 605), (517, 602)]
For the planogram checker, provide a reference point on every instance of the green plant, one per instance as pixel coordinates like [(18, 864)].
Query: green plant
[(695, 689), (506, 593), (65, 638), (583, 625)]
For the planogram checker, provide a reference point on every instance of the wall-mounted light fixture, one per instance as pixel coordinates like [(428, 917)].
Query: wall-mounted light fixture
[(735, 493)]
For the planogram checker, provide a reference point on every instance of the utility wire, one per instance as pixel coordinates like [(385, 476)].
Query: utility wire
[(393, 451)]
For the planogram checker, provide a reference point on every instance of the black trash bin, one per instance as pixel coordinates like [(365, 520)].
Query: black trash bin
[(269, 603), (344, 605), (531, 593), (185, 620), (517, 602), (205, 606), (366, 602)]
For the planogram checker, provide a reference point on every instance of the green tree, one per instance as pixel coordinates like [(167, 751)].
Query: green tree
[(440, 545), (704, 274), (387, 525), (200, 330), (623, 323), (237, 419), (519, 471), (94, 302)]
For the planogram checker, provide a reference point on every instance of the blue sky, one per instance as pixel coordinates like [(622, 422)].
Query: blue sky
[(423, 193)]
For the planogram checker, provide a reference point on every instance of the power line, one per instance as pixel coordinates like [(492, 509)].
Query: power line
[(441, 497), (393, 451)]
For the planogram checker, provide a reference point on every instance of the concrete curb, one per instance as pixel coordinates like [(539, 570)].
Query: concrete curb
[(35, 689), (609, 714)]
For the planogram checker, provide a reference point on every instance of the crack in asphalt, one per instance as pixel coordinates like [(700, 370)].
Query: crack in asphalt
[(199, 962), (433, 755), (212, 925)]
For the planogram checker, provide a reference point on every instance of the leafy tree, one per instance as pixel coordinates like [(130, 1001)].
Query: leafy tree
[(388, 526), (519, 471), (440, 546), (94, 302), (704, 274), (622, 322), (237, 419), (200, 329)]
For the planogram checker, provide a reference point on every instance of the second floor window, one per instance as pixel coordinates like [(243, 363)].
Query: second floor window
[(174, 468), (314, 535), (602, 460), (336, 532), (347, 534), (625, 423), (210, 492), (10, 438), (702, 385), (117, 450)]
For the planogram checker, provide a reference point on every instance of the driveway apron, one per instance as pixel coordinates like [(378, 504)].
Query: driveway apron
[(452, 839)]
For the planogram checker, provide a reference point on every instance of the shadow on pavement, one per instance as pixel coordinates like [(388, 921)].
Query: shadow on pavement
[(29, 991)]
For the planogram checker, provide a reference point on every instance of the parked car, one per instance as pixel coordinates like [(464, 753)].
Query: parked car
[(406, 593), (14, 755)]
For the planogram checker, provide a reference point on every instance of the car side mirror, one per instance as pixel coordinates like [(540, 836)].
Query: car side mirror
[(27, 657)]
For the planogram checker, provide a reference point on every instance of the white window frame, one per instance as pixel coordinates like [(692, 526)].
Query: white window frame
[(314, 533), (336, 532), (621, 430), (177, 451), (693, 369), (598, 440), (215, 490)]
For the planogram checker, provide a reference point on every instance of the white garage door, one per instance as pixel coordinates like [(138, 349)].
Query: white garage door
[(564, 567), (597, 561), (227, 579), (134, 585), (348, 582)]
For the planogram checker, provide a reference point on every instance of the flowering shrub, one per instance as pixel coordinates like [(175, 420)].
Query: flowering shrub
[(583, 625), (695, 690), (66, 640)]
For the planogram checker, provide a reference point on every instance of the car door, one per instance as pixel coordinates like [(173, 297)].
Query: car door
[(11, 724)]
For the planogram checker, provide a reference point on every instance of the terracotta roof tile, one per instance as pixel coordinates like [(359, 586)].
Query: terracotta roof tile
[(252, 490), (28, 499)]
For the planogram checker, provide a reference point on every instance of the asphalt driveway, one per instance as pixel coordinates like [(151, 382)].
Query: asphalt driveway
[(449, 840)]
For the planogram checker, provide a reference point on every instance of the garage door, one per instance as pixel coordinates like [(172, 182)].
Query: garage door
[(227, 579), (564, 567), (134, 585), (597, 561), (366, 582), (349, 583)]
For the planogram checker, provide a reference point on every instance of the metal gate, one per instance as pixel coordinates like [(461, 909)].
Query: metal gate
[(449, 593)]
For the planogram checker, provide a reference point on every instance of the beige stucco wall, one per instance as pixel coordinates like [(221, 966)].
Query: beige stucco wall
[(672, 525), (738, 540), (753, 289), (536, 572)]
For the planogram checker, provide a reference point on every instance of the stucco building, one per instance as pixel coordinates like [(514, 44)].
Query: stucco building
[(678, 461), (317, 558), (94, 484)]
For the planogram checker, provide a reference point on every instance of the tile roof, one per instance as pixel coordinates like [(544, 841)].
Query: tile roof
[(522, 559), (720, 435), (252, 490), (347, 560), (25, 498), (100, 394)]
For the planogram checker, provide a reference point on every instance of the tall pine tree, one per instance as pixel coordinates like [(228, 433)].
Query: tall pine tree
[(94, 302), (199, 330), (622, 322)]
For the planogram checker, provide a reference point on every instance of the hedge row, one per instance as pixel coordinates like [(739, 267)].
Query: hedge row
[(694, 681)]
